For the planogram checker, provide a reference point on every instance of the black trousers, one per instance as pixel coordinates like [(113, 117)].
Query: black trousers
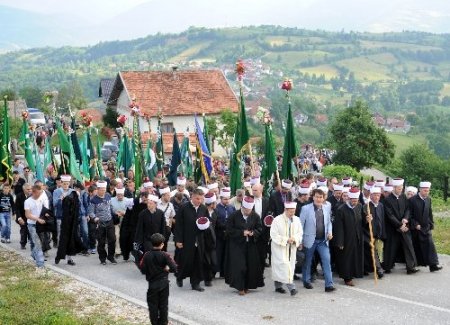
[(392, 245), (45, 240), (91, 233), (24, 235), (106, 234), (126, 242), (158, 305)]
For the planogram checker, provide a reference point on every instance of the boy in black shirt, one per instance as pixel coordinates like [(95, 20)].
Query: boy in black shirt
[(156, 266)]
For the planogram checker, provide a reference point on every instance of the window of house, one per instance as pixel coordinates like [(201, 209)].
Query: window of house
[(166, 127)]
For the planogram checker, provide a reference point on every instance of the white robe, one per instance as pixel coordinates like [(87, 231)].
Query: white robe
[(283, 267)]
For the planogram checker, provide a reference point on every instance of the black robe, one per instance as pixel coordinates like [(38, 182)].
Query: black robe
[(263, 241), (210, 261), (128, 228), (379, 232), (191, 257), (421, 214), (276, 203), (348, 233), (242, 261), (398, 246), (148, 224), (69, 240)]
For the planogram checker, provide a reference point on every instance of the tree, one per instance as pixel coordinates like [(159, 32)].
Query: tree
[(10, 93), (222, 129), (110, 117), (358, 141), (418, 163), (32, 95)]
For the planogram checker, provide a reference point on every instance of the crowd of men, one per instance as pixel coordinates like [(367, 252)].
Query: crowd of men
[(217, 234)]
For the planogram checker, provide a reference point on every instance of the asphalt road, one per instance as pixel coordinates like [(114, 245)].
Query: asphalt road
[(423, 298)]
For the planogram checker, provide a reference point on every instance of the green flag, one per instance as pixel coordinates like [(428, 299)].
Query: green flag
[(74, 168), (39, 167), (288, 170), (159, 148), (125, 161), (26, 143), (99, 158), (150, 161), (270, 162), (175, 161), (64, 149), (206, 134), (138, 160), (186, 157), (84, 156), (5, 155), (241, 144)]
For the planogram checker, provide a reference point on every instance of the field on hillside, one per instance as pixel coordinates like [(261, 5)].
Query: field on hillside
[(404, 141)]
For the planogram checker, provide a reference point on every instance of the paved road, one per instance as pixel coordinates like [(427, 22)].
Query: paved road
[(398, 298), (377, 174)]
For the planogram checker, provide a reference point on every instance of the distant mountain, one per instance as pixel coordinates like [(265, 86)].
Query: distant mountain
[(26, 29)]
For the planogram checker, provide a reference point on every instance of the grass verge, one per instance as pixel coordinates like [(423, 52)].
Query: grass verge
[(42, 297), (441, 235)]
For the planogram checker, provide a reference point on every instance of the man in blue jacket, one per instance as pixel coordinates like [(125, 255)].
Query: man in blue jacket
[(317, 232)]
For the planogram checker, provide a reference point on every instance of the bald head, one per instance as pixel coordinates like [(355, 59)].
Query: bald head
[(257, 190)]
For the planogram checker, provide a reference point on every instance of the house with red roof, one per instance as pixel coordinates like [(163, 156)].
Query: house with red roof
[(178, 94)]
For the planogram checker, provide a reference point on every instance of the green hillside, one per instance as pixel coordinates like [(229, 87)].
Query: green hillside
[(400, 75)]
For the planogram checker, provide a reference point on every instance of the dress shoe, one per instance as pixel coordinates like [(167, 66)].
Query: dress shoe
[(294, 292), (71, 262), (412, 271), (23, 247), (280, 290), (246, 291), (198, 288), (208, 284), (380, 275), (349, 283), (112, 260), (330, 289), (308, 285), (57, 261), (103, 262), (179, 283), (387, 271), (434, 268), (296, 277)]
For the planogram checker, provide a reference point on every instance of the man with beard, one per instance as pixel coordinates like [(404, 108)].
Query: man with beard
[(277, 198), (286, 233), (398, 234), (262, 210), (189, 241), (58, 196), (224, 209), (347, 228), (242, 265), (20, 214), (421, 218), (69, 243), (374, 212), (302, 198), (129, 223), (150, 221)]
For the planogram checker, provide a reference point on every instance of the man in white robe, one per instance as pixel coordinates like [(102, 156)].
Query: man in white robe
[(286, 233)]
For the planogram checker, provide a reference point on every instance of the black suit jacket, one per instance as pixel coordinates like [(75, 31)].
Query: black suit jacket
[(396, 209), (276, 204), (421, 213)]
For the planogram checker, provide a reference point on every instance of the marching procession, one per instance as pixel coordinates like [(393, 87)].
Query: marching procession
[(230, 221)]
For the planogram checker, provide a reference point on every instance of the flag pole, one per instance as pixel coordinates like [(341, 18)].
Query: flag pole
[(372, 244)]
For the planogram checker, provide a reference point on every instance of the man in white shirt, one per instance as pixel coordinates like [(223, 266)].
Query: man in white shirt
[(169, 211), (33, 207)]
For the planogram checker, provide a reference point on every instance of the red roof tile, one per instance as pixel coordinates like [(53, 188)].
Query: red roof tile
[(183, 92)]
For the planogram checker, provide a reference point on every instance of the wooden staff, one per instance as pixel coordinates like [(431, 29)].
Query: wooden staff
[(372, 244)]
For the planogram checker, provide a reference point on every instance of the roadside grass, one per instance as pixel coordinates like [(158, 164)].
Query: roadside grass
[(35, 297), (441, 235)]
